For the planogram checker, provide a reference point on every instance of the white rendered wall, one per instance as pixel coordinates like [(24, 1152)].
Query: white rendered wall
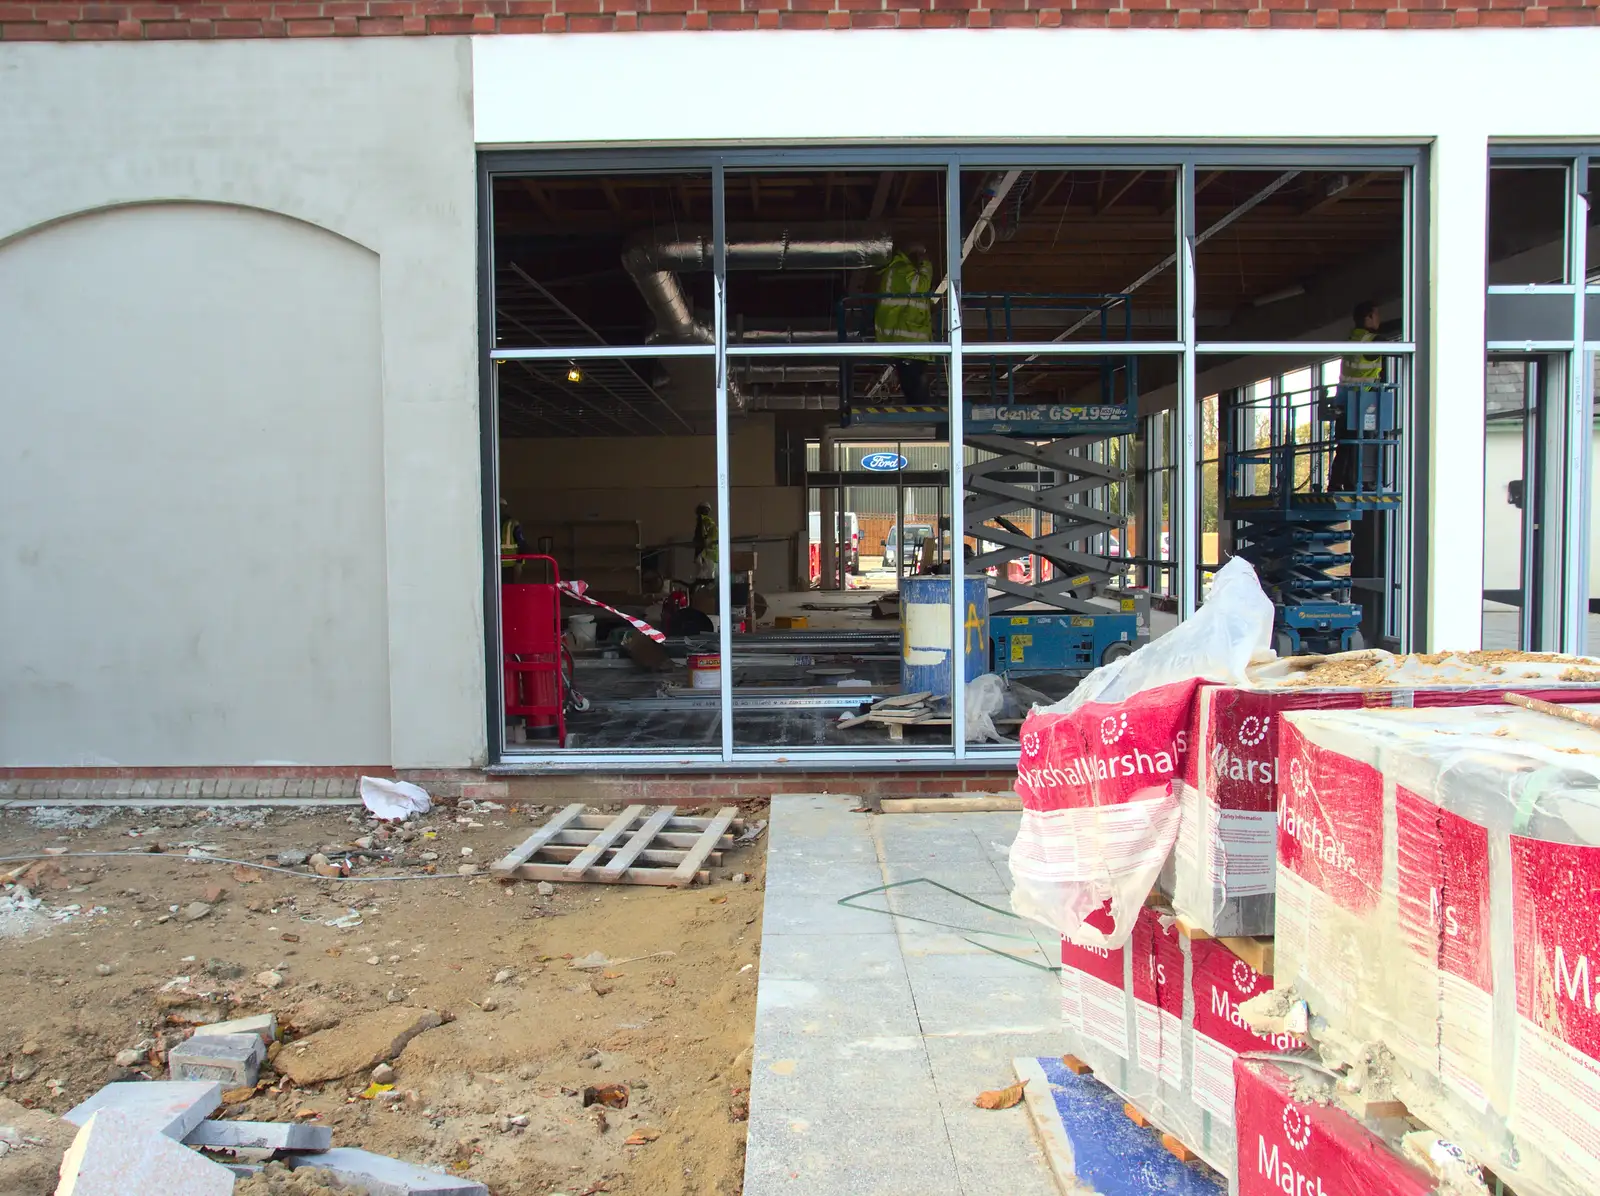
[(1446, 89), (239, 428)]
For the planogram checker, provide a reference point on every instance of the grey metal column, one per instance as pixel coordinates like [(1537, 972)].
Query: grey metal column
[(958, 461), (719, 275), (1578, 423), (1185, 504)]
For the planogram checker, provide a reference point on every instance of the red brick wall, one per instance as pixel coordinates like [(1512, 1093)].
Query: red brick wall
[(50, 21), (450, 784)]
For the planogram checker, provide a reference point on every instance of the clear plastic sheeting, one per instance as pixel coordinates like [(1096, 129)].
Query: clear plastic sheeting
[(1222, 875), (1101, 773), (1159, 1022), (1436, 881)]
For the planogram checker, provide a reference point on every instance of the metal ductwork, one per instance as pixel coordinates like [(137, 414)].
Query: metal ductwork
[(773, 249), (654, 264)]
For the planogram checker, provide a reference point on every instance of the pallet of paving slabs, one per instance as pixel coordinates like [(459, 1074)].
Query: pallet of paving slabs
[(641, 845)]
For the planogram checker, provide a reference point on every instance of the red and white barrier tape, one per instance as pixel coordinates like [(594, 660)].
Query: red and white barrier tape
[(577, 589)]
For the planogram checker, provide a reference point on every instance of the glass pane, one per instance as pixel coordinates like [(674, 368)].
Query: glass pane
[(616, 501), (1300, 475), (619, 259), (1299, 255), (828, 550), (830, 255), (1510, 395), (1074, 255), (1527, 225)]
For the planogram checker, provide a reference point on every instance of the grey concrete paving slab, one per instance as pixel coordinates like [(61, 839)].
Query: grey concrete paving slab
[(875, 1032), (831, 956)]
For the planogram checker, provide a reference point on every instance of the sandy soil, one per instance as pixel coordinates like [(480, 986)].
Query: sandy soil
[(494, 1093)]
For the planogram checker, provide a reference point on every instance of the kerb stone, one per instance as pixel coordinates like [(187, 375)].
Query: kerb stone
[(379, 1175), (169, 1108), (116, 1153), (260, 1135), (233, 1060)]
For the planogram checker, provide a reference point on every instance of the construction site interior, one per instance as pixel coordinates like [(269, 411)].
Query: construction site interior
[(1085, 293)]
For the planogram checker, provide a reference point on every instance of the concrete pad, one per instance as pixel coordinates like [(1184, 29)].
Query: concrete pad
[(263, 1025), (830, 957), (837, 1009), (1018, 1001), (872, 1039), (260, 1135), (233, 1060), (169, 1107), (116, 1153), (379, 1175)]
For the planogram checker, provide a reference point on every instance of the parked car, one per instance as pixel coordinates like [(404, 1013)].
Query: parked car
[(915, 534), (849, 537)]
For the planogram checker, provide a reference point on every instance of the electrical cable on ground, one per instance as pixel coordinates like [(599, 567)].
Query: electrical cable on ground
[(923, 880), (217, 859)]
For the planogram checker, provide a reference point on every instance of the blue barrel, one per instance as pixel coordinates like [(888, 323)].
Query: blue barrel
[(925, 627)]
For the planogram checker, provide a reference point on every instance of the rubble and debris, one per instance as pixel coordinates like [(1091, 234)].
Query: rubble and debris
[(260, 1135), (368, 1172), (172, 1108), (233, 1060), (263, 1025), (116, 1153), (357, 1044)]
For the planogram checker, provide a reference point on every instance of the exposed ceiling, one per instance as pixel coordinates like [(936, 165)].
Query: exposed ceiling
[(559, 244)]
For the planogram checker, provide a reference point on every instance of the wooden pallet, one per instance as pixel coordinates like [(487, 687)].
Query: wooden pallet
[(1257, 952), (643, 845), (1172, 1144)]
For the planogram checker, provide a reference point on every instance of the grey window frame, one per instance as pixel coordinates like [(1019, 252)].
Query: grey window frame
[(952, 158)]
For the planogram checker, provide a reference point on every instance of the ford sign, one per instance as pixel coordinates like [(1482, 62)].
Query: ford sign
[(883, 462)]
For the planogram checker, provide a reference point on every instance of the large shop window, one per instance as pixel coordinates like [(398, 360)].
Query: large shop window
[(853, 456)]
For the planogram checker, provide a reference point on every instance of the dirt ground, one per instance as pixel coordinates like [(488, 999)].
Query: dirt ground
[(495, 1092)]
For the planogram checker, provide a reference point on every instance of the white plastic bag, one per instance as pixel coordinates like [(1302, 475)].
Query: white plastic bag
[(1100, 772), (986, 697), (394, 800)]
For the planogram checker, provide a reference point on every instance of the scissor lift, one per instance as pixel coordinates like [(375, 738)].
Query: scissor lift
[(1091, 615), (1326, 466)]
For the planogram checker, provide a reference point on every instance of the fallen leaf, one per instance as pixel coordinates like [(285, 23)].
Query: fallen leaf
[(246, 876), (334, 951), (719, 901), (613, 975), (305, 1114), (1001, 1098), (289, 938), (613, 1096), (640, 1137), (372, 1090), (237, 1096)]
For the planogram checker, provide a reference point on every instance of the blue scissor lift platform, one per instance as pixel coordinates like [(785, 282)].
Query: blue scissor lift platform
[(1294, 502), (1084, 614)]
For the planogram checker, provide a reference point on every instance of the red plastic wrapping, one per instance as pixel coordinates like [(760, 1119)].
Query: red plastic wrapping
[(1287, 1148)]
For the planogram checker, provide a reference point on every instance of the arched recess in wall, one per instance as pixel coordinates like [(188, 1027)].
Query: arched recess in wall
[(192, 563)]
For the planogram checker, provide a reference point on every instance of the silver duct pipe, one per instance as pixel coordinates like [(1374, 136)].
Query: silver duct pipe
[(653, 266), (760, 372), (774, 248), (781, 336), (665, 297)]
